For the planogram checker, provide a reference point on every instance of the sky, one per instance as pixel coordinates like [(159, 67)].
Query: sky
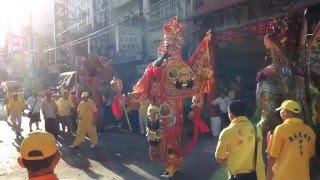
[(16, 13)]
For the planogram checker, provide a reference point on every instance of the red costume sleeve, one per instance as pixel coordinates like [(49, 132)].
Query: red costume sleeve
[(117, 109)]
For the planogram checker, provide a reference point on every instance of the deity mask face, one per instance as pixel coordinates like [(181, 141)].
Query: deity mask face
[(185, 78), (172, 48)]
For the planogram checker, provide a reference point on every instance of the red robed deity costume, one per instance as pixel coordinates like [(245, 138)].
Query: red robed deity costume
[(166, 83)]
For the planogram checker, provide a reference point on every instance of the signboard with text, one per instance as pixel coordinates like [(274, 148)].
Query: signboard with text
[(259, 28), (129, 42), (125, 44)]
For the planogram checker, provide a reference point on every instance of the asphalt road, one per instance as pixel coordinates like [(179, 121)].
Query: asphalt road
[(120, 155)]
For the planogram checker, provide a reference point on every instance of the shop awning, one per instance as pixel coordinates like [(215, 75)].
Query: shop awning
[(213, 5)]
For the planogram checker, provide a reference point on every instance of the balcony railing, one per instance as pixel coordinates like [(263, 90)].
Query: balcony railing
[(160, 12)]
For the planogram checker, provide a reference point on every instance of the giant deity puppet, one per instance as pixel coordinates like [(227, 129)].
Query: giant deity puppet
[(166, 83), (94, 77), (290, 52)]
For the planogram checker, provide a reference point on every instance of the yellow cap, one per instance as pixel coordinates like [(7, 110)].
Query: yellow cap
[(38, 145), (289, 105), (84, 94)]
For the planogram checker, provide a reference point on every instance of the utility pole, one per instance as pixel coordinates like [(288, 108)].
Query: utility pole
[(33, 51), (54, 33)]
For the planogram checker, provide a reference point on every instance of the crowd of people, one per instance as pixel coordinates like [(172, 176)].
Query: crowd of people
[(238, 89), (290, 148), (62, 115), (239, 146)]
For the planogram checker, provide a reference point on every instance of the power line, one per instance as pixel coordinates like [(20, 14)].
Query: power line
[(80, 22), (97, 13), (96, 33), (75, 42)]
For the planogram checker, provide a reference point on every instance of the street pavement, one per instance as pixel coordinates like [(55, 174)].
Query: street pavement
[(120, 155)]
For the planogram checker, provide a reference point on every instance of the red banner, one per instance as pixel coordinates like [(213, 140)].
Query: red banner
[(259, 28)]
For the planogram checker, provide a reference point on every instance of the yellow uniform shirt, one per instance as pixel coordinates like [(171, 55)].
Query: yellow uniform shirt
[(64, 107), (292, 144), (237, 144), (16, 105), (86, 110)]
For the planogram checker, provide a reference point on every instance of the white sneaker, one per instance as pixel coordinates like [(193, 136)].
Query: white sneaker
[(92, 145), (166, 175)]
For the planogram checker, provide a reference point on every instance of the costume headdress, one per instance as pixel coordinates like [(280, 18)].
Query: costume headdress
[(173, 34)]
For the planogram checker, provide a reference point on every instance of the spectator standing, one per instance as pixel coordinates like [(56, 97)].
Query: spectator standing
[(240, 146), (64, 111), (74, 100), (291, 146), (33, 104), (223, 102), (15, 109), (49, 111), (39, 154)]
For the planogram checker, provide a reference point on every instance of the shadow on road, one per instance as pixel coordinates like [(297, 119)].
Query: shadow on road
[(114, 153), (125, 156), (74, 158), (17, 142)]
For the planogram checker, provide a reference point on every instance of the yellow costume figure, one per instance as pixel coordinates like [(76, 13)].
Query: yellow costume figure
[(86, 125)]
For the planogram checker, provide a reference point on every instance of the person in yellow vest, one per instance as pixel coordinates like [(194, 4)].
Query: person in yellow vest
[(237, 146), (65, 106), (86, 122), (15, 109), (291, 147)]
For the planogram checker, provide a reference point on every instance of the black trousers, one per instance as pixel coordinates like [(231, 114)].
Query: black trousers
[(52, 126), (225, 121), (244, 176)]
